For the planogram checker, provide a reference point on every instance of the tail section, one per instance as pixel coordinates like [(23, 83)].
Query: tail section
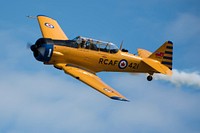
[(164, 54)]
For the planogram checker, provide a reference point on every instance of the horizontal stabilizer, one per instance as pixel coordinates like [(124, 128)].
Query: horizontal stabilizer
[(157, 66), (143, 53)]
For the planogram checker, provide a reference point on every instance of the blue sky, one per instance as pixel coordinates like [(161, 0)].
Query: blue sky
[(38, 98)]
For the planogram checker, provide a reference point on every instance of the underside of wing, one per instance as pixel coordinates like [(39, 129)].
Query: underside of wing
[(50, 28), (92, 80)]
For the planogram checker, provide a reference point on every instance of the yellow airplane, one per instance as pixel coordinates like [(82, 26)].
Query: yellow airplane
[(83, 57)]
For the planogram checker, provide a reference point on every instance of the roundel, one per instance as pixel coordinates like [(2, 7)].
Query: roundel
[(108, 90), (123, 64), (49, 25)]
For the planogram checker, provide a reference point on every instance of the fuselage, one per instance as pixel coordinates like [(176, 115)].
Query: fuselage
[(95, 60)]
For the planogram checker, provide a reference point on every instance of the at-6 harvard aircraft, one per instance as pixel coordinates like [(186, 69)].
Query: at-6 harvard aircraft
[(83, 57)]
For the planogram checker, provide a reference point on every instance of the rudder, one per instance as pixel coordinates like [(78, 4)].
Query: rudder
[(164, 54)]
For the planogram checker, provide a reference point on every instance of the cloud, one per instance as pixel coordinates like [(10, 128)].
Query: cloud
[(46, 102), (184, 32), (184, 28), (154, 105), (182, 78)]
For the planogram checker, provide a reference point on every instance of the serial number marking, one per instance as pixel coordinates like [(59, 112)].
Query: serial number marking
[(133, 65)]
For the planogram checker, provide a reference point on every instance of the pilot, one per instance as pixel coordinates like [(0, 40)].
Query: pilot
[(78, 40), (88, 42), (83, 43), (93, 46)]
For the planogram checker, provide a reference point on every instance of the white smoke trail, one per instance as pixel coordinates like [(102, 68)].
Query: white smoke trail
[(180, 78)]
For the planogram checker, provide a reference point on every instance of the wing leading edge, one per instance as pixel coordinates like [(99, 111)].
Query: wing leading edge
[(92, 80), (50, 28)]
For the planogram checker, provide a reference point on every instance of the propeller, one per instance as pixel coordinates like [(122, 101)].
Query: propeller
[(121, 45), (28, 45), (31, 46)]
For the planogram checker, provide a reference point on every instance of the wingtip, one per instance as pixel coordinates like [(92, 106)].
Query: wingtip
[(119, 98), (44, 16)]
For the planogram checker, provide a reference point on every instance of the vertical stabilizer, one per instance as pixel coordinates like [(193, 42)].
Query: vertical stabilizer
[(164, 54)]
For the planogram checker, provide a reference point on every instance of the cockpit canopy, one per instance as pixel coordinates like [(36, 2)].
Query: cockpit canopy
[(96, 45)]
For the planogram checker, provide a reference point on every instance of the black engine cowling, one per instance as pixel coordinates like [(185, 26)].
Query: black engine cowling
[(43, 49)]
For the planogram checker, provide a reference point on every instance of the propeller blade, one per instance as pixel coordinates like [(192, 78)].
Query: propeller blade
[(121, 45), (28, 45)]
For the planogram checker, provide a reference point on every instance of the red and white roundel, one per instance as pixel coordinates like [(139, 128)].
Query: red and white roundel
[(123, 64), (108, 90), (49, 25)]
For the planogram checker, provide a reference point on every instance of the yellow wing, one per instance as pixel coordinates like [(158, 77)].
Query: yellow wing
[(50, 28), (92, 80)]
